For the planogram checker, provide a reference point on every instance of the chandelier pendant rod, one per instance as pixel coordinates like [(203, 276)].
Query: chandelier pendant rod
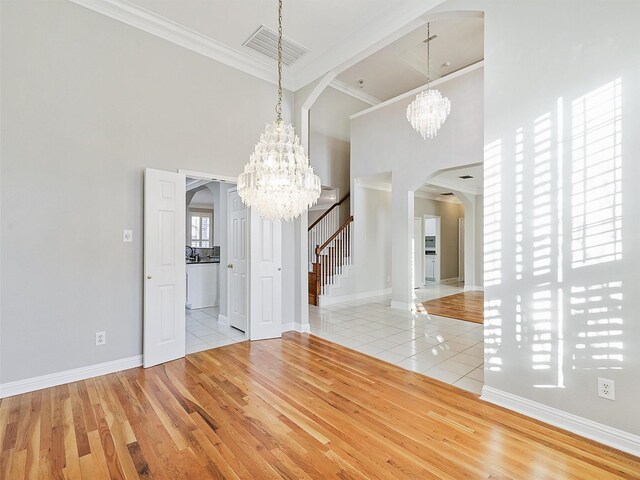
[(428, 54), (279, 104)]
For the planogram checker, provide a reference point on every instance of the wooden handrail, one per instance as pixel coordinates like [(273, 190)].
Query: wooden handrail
[(327, 212), (332, 237)]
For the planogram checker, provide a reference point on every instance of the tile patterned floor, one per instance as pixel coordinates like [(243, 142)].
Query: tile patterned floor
[(447, 349), (204, 332)]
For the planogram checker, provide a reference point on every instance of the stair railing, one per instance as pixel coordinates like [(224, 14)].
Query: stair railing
[(325, 226), (333, 255)]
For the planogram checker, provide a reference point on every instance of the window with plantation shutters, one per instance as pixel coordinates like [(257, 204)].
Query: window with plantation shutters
[(200, 229)]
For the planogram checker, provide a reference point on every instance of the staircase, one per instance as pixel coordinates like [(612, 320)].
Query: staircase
[(329, 249)]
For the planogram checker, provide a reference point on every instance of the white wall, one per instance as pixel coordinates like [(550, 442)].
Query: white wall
[(214, 188), (562, 226), (87, 104), (208, 198), (383, 141), (329, 137), (479, 243), (371, 241), (372, 238)]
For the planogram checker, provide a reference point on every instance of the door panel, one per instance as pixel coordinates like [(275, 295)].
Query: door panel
[(238, 267), (266, 278), (164, 267)]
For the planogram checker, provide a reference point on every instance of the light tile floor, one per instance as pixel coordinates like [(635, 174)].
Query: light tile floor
[(204, 332), (447, 349)]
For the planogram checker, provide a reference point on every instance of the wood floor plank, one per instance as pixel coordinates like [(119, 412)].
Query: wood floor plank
[(298, 407), (467, 306)]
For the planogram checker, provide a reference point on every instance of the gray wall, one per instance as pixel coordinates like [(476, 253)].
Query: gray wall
[(562, 224), (87, 104)]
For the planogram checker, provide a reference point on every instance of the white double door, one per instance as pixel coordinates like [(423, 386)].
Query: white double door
[(255, 294)]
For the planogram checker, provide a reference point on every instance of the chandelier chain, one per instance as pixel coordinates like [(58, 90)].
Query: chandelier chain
[(428, 53), (278, 182), (279, 105)]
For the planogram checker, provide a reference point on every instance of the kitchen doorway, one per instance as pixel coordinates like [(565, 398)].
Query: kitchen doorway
[(432, 249), (165, 280), (208, 273)]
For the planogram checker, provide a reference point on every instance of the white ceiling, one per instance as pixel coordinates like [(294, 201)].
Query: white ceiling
[(450, 180), (476, 171), (401, 66), (337, 33), (434, 190)]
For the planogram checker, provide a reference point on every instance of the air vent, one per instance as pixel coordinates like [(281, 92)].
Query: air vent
[(446, 194), (265, 41), (466, 177)]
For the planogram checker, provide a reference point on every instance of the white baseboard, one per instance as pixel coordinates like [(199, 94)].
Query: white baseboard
[(449, 280), (325, 300), (223, 320), (298, 327), (407, 307), (473, 288), (604, 434), (10, 389), (287, 327)]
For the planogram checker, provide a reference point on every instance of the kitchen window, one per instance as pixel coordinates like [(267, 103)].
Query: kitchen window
[(201, 224)]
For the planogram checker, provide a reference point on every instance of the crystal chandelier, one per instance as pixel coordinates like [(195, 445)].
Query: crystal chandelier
[(278, 180), (429, 109)]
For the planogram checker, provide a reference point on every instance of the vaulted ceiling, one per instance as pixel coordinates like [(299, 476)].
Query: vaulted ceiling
[(401, 66), (336, 33)]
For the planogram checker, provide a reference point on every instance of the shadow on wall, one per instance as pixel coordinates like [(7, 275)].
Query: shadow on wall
[(567, 256)]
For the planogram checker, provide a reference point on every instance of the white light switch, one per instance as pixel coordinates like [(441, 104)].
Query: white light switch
[(127, 236)]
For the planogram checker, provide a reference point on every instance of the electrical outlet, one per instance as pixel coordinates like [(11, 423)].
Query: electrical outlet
[(606, 388), (101, 338)]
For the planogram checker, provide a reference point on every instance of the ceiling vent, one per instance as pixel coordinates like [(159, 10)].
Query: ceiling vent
[(265, 41)]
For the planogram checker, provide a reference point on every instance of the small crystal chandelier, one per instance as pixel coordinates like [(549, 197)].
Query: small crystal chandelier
[(429, 109), (278, 180)]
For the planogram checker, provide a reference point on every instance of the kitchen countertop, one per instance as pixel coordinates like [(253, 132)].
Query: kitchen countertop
[(203, 261)]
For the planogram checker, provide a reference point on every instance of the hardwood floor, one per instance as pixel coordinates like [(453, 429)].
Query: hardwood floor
[(467, 306), (300, 407)]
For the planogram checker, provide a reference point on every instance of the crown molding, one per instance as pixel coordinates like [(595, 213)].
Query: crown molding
[(161, 27), (374, 36), (415, 91), (354, 92)]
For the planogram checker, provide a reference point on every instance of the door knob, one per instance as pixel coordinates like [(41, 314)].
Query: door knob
[(230, 265), (148, 277)]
